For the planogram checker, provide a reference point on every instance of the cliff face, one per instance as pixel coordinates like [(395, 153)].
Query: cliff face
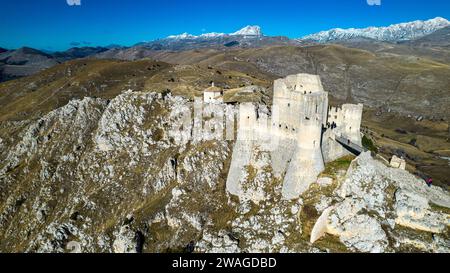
[(100, 175), (78, 173)]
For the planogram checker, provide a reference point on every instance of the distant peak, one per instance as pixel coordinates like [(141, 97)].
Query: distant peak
[(246, 31), (181, 36), (29, 50), (440, 20), (249, 31)]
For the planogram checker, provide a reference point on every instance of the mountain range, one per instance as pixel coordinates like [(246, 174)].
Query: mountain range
[(246, 31), (249, 36), (428, 39), (392, 33)]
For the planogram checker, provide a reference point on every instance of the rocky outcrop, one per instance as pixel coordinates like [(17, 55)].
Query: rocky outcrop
[(397, 162), (126, 241), (71, 177), (381, 209), (414, 211), (118, 176)]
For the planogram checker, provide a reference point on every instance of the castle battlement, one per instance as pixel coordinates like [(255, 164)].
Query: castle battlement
[(299, 83)]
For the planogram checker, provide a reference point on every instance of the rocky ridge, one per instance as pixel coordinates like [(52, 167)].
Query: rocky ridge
[(100, 175)]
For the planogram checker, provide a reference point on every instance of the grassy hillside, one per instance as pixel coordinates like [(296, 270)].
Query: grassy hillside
[(38, 94)]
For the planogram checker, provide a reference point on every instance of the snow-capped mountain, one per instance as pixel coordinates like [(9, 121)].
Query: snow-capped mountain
[(182, 36), (252, 36), (249, 31), (248, 37), (392, 33), (246, 31)]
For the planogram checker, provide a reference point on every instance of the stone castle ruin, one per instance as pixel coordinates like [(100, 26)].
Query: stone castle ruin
[(300, 133)]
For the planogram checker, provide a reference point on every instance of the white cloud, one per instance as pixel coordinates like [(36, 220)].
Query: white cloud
[(73, 2)]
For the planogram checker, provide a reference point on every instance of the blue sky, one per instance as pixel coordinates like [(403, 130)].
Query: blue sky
[(56, 25)]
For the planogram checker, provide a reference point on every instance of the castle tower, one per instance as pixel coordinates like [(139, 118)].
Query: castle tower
[(307, 162), (300, 106), (299, 96), (309, 143), (247, 121), (351, 125), (247, 138), (345, 122)]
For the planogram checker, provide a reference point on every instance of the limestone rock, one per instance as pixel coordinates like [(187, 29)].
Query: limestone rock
[(325, 181), (221, 243), (125, 241), (413, 211), (362, 233), (373, 195), (321, 226), (397, 162)]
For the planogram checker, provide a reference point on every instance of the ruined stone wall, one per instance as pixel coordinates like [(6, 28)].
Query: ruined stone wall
[(253, 132), (348, 124), (352, 117), (212, 97), (335, 115), (331, 149), (348, 121)]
